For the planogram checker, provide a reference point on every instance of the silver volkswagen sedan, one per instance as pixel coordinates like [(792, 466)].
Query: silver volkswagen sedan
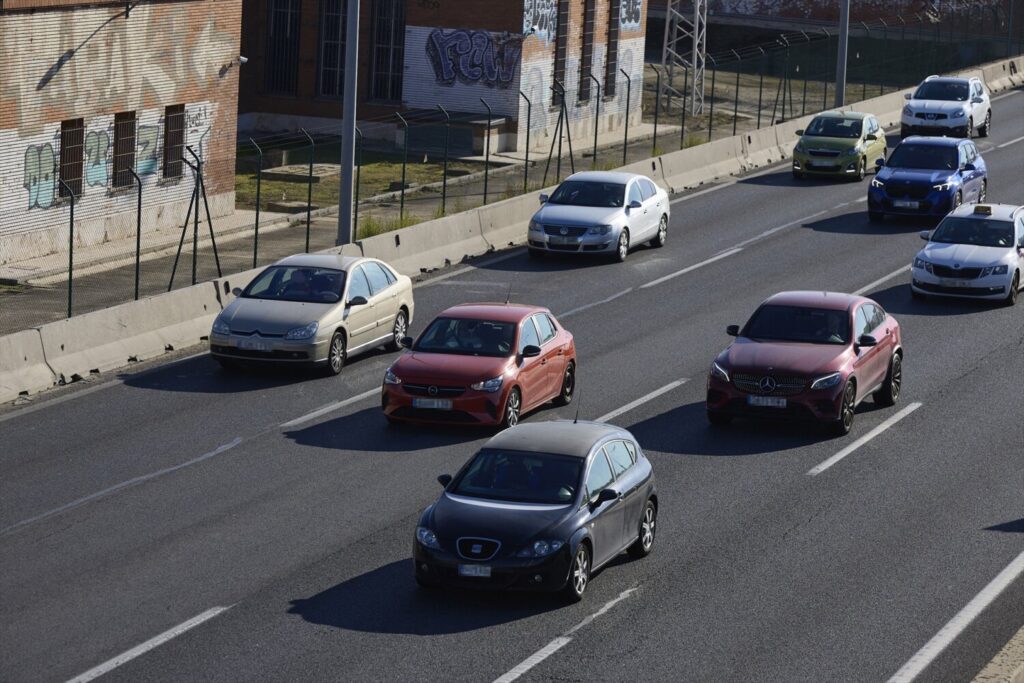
[(598, 212), (314, 309)]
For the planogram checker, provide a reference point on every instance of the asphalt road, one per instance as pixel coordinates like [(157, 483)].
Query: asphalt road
[(129, 509)]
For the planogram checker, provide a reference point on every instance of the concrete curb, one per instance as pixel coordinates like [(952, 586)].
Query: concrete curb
[(23, 368)]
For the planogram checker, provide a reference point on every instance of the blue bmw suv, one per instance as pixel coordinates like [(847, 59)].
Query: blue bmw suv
[(927, 176)]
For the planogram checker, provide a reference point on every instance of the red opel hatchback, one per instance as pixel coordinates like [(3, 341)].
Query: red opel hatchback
[(808, 355), (481, 364)]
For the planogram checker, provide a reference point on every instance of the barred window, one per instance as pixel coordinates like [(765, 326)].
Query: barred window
[(388, 50), (611, 61), (124, 149), (561, 41), (331, 74), (174, 140), (281, 66), (72, 157), (587, 50)]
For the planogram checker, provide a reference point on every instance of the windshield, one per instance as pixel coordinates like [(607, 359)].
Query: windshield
[(942, 90), (799, 324), (586, 193), (982, 233), (929, 157), (828, 127), (521, 477), (297, 283), (468, 337)]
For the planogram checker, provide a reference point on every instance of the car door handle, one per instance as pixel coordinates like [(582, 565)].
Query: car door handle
[(544, 361)]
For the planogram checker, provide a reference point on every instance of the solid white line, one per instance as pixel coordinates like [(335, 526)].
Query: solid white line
[(515, 251), (863, 440), (607, 606), (693, 195), (118, 487), (1011, 142), (948, 633), (642, 400), (580, 309), (884, 278), (145, 647), (330, 408), (692, 268)]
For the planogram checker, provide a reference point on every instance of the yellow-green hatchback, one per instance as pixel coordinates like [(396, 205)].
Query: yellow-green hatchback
[(839, 144)]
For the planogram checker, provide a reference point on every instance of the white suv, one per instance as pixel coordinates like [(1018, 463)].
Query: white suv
[(947, 106)]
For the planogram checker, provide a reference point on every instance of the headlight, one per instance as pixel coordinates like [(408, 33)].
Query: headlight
[(600, 230), (220, 327), (921, 263), (994, 270), (540, 549), (488, 385), (857, 149), (827, 381), (958, 113), (391, 378), (303, 332), (907, 111), (427, 538), (535, 226), (944, 186), (799, 149), (875, 182), (719, 372)]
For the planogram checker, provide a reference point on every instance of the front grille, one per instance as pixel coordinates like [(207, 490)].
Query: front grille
[(564, 247), (479, 549), (556, 230), (902, 191), (962, 273), (249, 333), (784, 386), (439, 392), (931, 117), (817, 168), (432, 415), (259, 355), (823, 153)]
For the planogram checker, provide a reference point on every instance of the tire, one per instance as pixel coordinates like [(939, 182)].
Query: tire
[(536, 254), (398, 330), (662, 236), (513, 409), (579, 574), (903, 133), (889, 393), (876, 216), (985, 129), (957, 200), (622, 249), (983, 193), (719, 420), (564, 397), (645, 535), (1011, 296), (970, 129), (336, 355), (862, 170), (843, 425)]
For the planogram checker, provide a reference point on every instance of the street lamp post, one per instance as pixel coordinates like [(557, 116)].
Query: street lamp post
[(348, 133), (844, 39)]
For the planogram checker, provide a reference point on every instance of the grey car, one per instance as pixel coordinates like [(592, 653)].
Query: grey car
[(599, 212), (314, 309)]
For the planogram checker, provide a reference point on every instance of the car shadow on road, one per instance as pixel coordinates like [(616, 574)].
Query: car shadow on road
[(387, 600), (785, 179), (897, 300), (1014, 527), (548, 263), (367, 430), (857, 223)]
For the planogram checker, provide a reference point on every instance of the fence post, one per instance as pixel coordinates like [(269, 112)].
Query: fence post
[(259, 181), (359, 165), (625, 134), (785, 78), (597, 113), (487, 149), (711, 113), (444, 171), (657, 107), (405, 161), (195, 224), (760, 86), (736, 102), (828, 68), (561, 125), (529, 120), (71, 240), (138, 231), (309, 186), (682, 123), (803, 105)]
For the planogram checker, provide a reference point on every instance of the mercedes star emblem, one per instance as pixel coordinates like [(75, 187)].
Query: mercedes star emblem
[(767, 384), (432, 390)]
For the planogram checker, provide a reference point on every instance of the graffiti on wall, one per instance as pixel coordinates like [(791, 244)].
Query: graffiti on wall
[(40, 162), (97, 149), (542, 14), (474, 57), (631, 13)]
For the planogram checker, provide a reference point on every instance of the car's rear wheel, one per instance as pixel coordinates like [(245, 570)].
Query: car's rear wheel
[(622, 248), (983, 192), (645, 537), (843, 425), (564, 397), (398, 330), (579, 574), (336, 354), (1011, 296), (876, 216), (718, 419), (513, 408), (889, 392), (660, 239), (986, 128)]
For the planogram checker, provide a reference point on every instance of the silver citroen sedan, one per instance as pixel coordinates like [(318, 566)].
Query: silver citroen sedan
[(314, 309), (599, 212)]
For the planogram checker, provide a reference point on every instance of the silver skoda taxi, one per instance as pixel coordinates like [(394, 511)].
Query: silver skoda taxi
[(314, 309)]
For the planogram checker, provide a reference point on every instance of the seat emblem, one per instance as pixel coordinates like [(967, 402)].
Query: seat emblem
[(564, 230), (956, 266), (767, 384), (432, 390), (476, 549)]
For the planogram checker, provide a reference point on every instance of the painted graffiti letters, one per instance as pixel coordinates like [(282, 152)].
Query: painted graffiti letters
[(40, 164), (97, 146), (147, 150), (630, 14), (542, 14), (473, 57)]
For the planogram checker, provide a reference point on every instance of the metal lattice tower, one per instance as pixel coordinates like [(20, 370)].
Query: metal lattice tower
[(685, 48)]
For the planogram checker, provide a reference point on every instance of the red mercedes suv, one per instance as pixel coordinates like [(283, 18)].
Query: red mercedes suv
[(808, 355)]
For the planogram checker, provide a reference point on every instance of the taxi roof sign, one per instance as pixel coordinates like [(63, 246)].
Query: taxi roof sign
[(983, 209)]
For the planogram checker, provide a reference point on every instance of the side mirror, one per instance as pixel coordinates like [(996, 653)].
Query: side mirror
[(544, 199), (908, 96), (871, 136), (977, 100), (879, 163), (237, 291), (733, 330), (406, 342), (800, 131), (925, 235), (357, 301), (530, 351), (607, 495), (635, 205), (444, 479), (866, 340), (968, 167)]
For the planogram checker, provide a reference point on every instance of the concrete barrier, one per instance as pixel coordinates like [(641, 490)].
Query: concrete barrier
[(1003, 75), (135, 331), (761, 147), (23, 368), (694, 166)]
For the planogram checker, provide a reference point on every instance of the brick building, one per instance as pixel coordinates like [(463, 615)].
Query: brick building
[(416, 54), (89, 94)]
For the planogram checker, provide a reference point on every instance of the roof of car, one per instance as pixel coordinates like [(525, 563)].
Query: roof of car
[(605, 176), (837, 114), (562, 437), (948, 79), (831, 300), (508, 313), (933, 140), (991, 212), (319, 261)]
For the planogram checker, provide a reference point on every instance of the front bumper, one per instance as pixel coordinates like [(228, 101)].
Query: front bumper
[(844, 165), (569, 244), (257, 349), (994, 287), (441, 568), (936, 203), (943, 127), (819, 405), (468, 408)]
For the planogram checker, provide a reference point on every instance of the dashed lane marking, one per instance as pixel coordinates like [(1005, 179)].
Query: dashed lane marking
[(815, 471)]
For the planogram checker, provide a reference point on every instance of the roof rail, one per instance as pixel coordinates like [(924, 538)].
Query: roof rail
[(931, 77)]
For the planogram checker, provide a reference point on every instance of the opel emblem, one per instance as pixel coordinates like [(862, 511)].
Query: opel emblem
[(432, 390), (767, 384), (564, 230), (476, 549)]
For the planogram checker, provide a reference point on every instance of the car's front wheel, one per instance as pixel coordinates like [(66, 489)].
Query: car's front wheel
[(622, 248), (660, 239), (986, 128), (889, 392), (862, 169), (843, 425), (579, 574), (1011, 296), (513, 408), (958, 199), (970, 128), (645, 537), (336, 354)]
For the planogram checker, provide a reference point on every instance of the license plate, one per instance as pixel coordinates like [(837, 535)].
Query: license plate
[(555, 239), (954, 283), (432, 403), (766, 401), (904, 204), (253, 345), (477, 570)]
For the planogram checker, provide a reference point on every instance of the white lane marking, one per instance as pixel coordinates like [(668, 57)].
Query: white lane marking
[(884, 278), (771, 169), (135, 481), (580, 309), (772, 231), (329, 408), (642, 400), (474, 283), (151, 644), (559, 642), (863, 440), (1005, 95), (948, 633), (1011, 142), (689, 269), (473, 266)]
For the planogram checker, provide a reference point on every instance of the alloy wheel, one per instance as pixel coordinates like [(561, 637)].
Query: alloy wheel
[(846, 411), (988, 123), (970, 128), (336, 354), (984, 191), (580, 570), (662, 232), (1011, 297), (958, 199), (896, 381), (512, 408), (564, 398), (623, 248), (647, 527), (401, 327)]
